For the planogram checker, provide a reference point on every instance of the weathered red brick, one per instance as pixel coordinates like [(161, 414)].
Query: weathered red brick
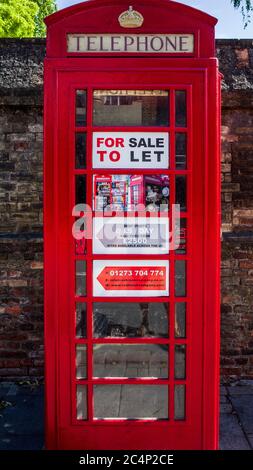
[(14, 309)]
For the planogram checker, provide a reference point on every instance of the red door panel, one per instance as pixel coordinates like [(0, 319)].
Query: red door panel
[(108, 392)]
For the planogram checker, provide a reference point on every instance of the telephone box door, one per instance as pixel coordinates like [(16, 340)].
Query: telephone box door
[(126, 318)]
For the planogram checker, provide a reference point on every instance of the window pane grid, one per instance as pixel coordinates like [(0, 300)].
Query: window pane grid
[(179, 382)]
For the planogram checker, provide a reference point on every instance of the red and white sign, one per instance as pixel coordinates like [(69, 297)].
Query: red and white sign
[(131, 150), (115, 278)]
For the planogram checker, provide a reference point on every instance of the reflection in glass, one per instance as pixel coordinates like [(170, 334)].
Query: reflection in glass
[(136, 320), (179, 402), (180, 353), (181, 192), (80, 189), (180, 108), (81, 362), (81, 230), (80, 150), (80, 108), (130, 360), (180, 320), (80, 320), (131, 108), (81, 402), (80, 245), (181, 146), (131, 401), (124, 192), (180, 278), (181, 237), (81, 278)]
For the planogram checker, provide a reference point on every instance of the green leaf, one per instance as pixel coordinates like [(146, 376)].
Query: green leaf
[(246, 8), (24, 18)]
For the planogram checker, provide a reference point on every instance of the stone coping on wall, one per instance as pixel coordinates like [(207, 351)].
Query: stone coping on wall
[(21, 63)]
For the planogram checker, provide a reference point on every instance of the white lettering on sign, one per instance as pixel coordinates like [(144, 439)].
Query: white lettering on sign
[(131, 150), (98, 93), (139, 43)]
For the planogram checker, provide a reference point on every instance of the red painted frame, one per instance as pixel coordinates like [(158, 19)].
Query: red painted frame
[(200, 77)]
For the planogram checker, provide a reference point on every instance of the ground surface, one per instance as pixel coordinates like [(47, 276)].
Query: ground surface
[(22, 417)]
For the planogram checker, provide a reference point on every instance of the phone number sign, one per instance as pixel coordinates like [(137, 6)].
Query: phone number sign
[(136, 278)]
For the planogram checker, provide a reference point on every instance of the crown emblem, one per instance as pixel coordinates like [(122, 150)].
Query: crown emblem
[(131, 19)]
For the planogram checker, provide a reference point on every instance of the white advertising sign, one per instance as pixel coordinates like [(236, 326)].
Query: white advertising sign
[(130, 150), (130, 235), (142, 278)]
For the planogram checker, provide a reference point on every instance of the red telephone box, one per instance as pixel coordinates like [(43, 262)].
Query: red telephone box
[(132, 116), (149, 189)]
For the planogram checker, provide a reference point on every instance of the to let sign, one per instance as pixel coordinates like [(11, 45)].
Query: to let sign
[(131, 150), (137, 43)]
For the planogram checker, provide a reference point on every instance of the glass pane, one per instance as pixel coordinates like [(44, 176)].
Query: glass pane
[(80, 150), (180, 108), (80, 246), (80, 108), (81, 277), (181, 149), (81, 362), (131, 108), (124, 192), (80, 189), (131, 401), (181, 238), (180, 353), (81, 230), (80, 320), (81, 402), (181, 192), (179, 402), (130, 360), (180, 278), (180, 320), (131, 320)]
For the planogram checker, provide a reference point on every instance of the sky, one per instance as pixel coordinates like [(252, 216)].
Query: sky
[(230, 23)]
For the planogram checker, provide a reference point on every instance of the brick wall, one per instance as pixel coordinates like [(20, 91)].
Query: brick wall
[(21, 242), (236, 63)]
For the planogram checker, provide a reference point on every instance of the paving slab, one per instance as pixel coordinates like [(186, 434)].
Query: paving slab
[(240, 390), (243, 404), (223, 390), (231, 434), (22, 443), (21, 417), (226, 408), (250, 438), (223, 399)]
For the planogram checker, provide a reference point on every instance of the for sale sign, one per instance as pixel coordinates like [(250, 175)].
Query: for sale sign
[(131, 150), (126, 235), (130, 278)]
